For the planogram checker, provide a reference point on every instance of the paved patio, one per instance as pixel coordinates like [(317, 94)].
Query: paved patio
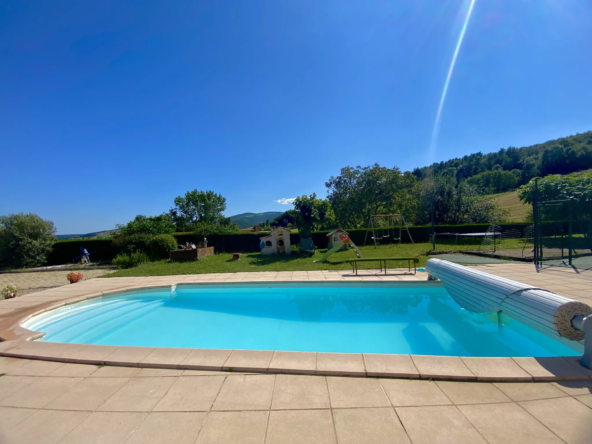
[(49, 402)]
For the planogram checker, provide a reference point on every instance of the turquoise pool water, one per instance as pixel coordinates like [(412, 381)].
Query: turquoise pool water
[(366, 318)]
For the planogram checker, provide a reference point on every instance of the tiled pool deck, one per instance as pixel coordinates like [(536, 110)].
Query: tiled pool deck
[(157, 395)]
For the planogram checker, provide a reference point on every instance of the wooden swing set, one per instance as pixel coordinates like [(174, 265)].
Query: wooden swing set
[(385, 232)]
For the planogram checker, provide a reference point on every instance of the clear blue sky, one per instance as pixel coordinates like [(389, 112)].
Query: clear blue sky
[(110, 109)]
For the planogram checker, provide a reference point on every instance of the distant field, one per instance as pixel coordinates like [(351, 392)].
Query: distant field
[(510, 202)]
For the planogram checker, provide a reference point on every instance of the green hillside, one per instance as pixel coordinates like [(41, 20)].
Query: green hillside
[(246, 220), (508, 168), (510, 201)]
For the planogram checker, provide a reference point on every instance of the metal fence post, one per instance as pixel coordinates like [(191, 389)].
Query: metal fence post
[(570, 231)]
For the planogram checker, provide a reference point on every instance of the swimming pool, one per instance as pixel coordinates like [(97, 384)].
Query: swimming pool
[(393, 318)]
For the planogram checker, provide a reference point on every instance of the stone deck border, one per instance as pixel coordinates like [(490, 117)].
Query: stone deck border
[(18, 342)]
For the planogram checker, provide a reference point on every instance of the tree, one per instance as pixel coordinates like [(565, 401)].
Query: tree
[(313, 214), (576, 187), (455, 203), (203, 207), (360, 192), (162, 224), (25, 240)]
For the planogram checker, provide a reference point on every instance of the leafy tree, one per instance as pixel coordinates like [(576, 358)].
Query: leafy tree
[(25, 240), (360, 192), (285, 219), (162, 224), (313, 214), (455, 203), (576, 187), (495, 181), (198, 207)]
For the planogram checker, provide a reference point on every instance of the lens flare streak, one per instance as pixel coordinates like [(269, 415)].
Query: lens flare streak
[(436, 129)]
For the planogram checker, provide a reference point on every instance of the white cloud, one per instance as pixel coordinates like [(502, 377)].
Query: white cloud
[(286, 200)]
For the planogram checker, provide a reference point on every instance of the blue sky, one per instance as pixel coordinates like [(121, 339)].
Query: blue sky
[(111, 109)]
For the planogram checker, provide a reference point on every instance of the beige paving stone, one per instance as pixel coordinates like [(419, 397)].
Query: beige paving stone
[(12, 384), (528, 391), (507, 422), (300, 426), (341, 364), (472, 392), (388, 365), (549, 369), (169, 427), (234, 428), (189, 394), (438, 424), (128, 355), (36, 368), (92, 354), (109, 371), (165, 357), (11, 416), (8, 364), (488, 369), (407, 392), (105, 427), (75, 370), (248, 360), (566, 417), (40, 392), (356, 392), (300, 392), (448, 367), (88, 394), (206, 359), (245, 392), (138, 395), (585, 399), (369, 426), (293, 362), (574, 388), (165, 372), (44, 427)]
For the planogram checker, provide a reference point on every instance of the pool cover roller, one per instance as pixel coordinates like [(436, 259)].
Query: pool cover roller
[(481, 292)]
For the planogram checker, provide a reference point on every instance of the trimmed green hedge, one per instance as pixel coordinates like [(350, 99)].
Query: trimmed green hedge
[(65, 251)]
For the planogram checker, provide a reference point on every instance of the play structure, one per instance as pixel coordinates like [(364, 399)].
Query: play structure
[(277, 242), (384, 228), (338, 240)]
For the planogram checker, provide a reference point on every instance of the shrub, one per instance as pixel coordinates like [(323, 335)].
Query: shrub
[(134, 243), (74, 277), (161, 245), (130, 260), (10, 291), (25, 240)]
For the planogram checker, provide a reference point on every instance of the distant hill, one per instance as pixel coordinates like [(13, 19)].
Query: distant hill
[(84, 236), (246, 220)]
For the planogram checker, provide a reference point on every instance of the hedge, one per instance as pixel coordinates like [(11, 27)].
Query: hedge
[(65, 251)]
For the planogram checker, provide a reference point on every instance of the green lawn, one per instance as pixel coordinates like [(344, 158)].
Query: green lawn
[(223, 263)]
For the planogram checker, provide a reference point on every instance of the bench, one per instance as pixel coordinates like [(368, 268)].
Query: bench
[(383, 260)]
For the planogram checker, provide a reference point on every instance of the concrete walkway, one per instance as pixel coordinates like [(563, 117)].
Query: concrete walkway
[(50, 402)]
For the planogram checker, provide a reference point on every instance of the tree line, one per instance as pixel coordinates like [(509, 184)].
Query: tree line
[(512, 167)]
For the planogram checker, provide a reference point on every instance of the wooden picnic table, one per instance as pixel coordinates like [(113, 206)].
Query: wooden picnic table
[(383, 260)]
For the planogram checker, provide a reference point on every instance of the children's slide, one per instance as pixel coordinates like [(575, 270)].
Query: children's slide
[(344, 240)]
